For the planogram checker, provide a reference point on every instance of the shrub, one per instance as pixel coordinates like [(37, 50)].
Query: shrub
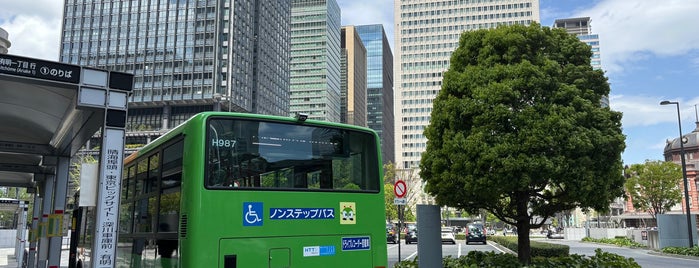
[(682, 251), (477, 259), (538, 249), (619, 241)]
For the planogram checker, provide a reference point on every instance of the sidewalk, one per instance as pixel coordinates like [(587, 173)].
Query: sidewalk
[(7, 258)]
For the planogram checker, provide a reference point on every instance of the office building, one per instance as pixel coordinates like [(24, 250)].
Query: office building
[(315, 59), (4, 41), (187, 56), (426, 34), (379, 86), (582, 28), (352, 78)]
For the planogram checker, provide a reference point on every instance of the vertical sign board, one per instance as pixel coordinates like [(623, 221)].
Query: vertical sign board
[(111, 163)]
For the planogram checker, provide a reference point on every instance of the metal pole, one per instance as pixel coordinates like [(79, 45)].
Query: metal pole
[(400, 225), (684, 178), (684, 173)]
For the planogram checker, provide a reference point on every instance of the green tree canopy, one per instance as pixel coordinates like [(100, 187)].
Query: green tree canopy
[(654, 186), (518, 130)]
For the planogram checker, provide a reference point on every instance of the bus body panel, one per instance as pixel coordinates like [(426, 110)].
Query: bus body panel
[(294, 233), (313, 251), (212, 224)]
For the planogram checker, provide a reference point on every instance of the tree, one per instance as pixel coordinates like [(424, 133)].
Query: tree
[(391, 209), (654, 186), (518, 130)]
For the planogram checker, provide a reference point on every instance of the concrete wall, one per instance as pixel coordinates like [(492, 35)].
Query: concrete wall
[(672, 230), (637, 235), (8, 238), (597, 233)]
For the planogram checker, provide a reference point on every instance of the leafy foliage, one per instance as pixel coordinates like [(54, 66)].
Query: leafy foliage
[(694, 251), (490, 259), (654, 186), (619, 241), (391, 209), (538, 249), (518, 130)]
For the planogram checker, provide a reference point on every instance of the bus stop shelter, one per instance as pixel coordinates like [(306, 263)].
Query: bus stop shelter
[(48, 111)]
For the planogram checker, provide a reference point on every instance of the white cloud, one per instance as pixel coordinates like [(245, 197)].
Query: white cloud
[(630, 29), (646, 110), (33, 27)]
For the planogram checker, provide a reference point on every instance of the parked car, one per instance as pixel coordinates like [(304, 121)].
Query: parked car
[(448, 235), (475, 233), (490, 231), (553, 234), (411, 236)]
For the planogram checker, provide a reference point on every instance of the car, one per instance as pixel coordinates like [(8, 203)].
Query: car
[(476, 233), (411, 236), (491, 231), (391, 234), (448, 235)]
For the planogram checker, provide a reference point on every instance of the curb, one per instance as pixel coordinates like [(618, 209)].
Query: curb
[(686, 257)]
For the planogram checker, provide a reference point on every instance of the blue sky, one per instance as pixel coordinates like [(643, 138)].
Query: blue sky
[(649, 50)]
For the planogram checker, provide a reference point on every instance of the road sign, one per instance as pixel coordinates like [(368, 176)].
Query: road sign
[(400, 201), (399, 188)]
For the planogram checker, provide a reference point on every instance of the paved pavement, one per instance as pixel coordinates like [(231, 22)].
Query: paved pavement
[(8, 260)]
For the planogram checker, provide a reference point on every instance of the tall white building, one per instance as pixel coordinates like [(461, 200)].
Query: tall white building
[(426, 33)]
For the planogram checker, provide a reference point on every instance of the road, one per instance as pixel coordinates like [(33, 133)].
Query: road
[(641, 256), (409, 252)]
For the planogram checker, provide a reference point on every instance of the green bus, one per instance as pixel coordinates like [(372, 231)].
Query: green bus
[(246, 190)]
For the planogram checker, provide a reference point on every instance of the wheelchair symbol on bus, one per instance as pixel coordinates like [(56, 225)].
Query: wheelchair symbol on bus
[(252, 213)]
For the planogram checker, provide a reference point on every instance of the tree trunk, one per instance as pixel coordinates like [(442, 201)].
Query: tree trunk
[(523, 246)]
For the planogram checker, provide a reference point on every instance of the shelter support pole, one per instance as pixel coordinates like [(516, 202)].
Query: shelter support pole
[(33, 235), (47, 196), (21, 232), (55, 228)]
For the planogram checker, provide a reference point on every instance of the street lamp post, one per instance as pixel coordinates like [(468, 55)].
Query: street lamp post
[(684, 173), (217, 102)]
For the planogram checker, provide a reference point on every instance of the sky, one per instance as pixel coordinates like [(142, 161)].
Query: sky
[(649, 51)]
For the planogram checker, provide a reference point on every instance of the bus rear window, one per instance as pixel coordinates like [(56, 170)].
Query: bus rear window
[(244, 154)]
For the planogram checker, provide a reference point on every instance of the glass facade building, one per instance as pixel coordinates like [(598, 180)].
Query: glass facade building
[(379, 86), (187, 56), (315, 59), (426, 33)]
